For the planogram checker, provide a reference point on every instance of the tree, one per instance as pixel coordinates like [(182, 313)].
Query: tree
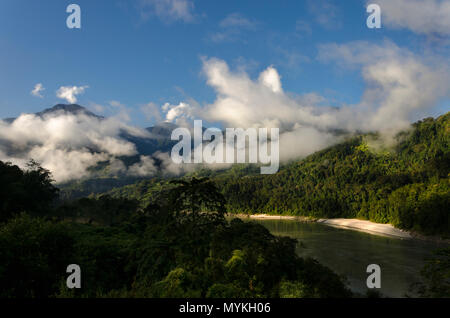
[(29, 190), (195, 197)]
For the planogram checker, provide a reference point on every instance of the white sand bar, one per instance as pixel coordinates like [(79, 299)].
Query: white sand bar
[(366, 226), (351, 224)]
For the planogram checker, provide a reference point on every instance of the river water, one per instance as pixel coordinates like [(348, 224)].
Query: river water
[(348, 252)]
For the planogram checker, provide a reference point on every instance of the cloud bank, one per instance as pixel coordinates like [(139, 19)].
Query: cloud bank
[(429, 17), (399, 87), (66, 144)]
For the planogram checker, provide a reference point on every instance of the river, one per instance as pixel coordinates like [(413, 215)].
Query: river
[(348, 252)]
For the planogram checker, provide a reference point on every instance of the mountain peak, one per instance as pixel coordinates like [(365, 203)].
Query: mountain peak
[(68, 108), (74, 109)]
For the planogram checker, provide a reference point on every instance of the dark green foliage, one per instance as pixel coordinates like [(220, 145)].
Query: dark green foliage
[(197, 196), (180, 246), (103, 256), (29, 191), (104, 210), (435, 276), (34, 255), (421, 207), (235, 259)]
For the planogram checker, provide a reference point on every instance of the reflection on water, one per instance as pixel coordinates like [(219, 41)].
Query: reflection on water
[(348, 253)]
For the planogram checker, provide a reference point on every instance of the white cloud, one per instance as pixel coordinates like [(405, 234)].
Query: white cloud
[(97, 107), (420, 16), (169, 168), (38, 88), (177, 112), (151, 111), (236, 20), (145, 167), (168, 10), (271, 79), (112, 108), (232, 27), (400, 86), (117, 104), (69, 93), (67, 144)]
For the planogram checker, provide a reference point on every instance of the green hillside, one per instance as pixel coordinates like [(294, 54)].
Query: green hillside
[(406, 184)]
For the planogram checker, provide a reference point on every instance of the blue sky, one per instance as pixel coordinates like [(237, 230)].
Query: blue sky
[(135, 52)]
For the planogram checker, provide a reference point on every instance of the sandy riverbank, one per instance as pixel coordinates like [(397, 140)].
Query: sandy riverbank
[(367, 226), (352, 224)]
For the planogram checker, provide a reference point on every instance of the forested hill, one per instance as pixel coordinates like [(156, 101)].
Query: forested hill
[(406, 185)]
